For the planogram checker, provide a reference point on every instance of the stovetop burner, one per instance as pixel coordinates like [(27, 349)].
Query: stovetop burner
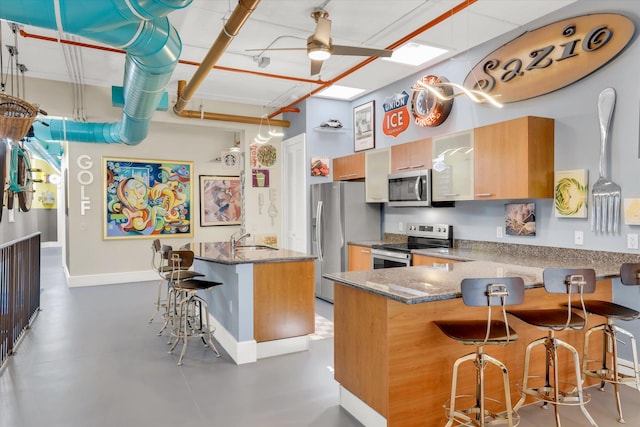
[(423, 236)]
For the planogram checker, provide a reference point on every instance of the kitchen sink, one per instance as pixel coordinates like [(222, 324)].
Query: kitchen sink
[(245, 248)]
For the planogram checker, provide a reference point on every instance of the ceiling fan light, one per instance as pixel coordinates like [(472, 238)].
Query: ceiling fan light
[(319, 53)]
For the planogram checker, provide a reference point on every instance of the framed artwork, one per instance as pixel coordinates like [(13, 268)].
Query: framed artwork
[(364, 126), (570, 193), (632, 211), (520, 219), (147, 198), (220, 200), (260, 178), (319, 166)]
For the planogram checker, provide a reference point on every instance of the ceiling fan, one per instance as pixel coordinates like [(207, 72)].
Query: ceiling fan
[(319, 45)]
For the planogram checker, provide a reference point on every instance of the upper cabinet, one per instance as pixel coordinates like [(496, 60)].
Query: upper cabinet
[(514, 159), (411, 156), (348, 167), (377, 167), (452, 164)]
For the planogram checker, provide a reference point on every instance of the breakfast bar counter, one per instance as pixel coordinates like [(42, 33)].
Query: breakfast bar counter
[(393, 363), (265, 306)]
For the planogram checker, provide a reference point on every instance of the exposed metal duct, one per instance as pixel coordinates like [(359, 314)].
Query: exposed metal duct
[(230, 29), (140, 28)]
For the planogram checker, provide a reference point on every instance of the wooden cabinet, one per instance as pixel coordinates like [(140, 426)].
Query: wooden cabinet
[(359, 258), (431, 260), (514, 159), (453, 174), (348, 167), (412, 155), (377, 167)]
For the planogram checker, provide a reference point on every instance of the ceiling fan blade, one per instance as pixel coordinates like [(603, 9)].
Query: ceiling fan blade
[(276, 48), (315, 67), (360, 51), (323, 31)]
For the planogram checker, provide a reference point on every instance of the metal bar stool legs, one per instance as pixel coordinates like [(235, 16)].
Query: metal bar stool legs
[(609, 372), (193, 321), (478, 414), (607, 369), (552, 391)]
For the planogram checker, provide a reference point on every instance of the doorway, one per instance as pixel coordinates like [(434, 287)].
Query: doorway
[(294, 194)]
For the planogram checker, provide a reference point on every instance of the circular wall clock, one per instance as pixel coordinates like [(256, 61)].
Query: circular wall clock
[(429, 110)]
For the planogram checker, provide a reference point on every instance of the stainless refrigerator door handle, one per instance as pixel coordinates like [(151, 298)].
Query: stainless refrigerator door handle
[(416, 189), (318, 230)]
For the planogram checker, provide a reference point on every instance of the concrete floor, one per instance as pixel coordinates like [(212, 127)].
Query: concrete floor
[(92, 360)]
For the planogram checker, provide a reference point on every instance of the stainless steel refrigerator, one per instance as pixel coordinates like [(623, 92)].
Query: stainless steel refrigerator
[(339, 215)]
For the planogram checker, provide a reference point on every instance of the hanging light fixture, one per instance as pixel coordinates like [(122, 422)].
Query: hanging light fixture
[(475, 95), (259, 138), (273, 131)]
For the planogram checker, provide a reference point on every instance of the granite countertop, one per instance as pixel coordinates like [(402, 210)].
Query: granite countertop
[(220, 252), (412, 285), (442, 281)]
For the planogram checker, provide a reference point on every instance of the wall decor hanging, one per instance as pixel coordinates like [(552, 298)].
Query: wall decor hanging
[(260, 178), (319, 166), (364, 126), (147, 198), (632, 211), (520, 219), (220, 200), (262, 155), (570, 193)]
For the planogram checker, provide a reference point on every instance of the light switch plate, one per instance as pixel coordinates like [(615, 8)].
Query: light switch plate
[(632, 241), (499, 232), (578, 238)]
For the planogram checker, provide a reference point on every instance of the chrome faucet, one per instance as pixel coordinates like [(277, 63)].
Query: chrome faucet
[(233, 241)]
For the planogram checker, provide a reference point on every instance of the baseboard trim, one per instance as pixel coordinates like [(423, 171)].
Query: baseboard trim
[(360, 410), (283, 346), (241, 352), (109, 278)]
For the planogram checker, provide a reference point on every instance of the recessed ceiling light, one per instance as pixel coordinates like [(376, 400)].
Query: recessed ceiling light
[(339, 92), (415, 54)]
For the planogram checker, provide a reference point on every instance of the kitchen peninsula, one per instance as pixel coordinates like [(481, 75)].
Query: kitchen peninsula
[(394, 364), (266, 304)]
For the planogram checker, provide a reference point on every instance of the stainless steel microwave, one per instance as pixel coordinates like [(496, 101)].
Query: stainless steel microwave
[(411, 188)]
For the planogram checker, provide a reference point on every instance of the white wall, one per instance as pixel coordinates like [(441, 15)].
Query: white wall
[(90, 258)]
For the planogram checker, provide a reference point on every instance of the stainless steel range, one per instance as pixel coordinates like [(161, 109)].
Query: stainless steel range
[(419, 236)]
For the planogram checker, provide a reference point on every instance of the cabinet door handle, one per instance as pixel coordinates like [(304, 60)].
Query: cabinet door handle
[(450, 194), (348, 175), (402, 168), (484, 194), (417, 166), (364, 251)]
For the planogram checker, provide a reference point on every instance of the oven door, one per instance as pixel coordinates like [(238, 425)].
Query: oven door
[(381, 258)]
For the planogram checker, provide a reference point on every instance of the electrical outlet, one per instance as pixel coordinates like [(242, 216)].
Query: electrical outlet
[(499, 232), (578, 238), (12, 215), (401, 226), (632, 241)]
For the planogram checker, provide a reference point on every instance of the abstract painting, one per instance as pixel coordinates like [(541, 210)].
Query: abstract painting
[(220, 200), (147, 198)]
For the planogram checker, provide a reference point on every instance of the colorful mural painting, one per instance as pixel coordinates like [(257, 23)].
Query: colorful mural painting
[(146, 198)]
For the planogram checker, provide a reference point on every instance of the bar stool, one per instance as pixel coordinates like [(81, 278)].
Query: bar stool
[(486, 292), (170, 273), (629, 276), (159, 264), (573, 282), (192, 311)]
